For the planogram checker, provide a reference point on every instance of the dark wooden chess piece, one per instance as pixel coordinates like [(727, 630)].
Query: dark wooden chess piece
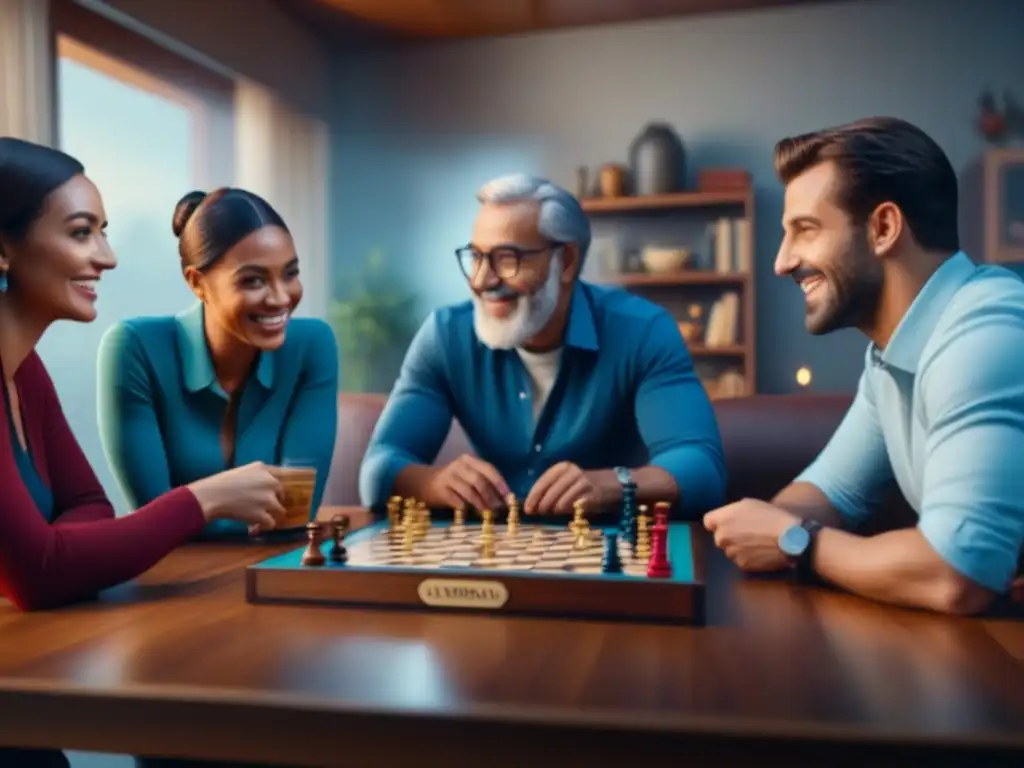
[(611, 563), (313, 556), (339, 527)]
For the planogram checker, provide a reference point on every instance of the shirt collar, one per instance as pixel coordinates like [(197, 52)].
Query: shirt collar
[(196, 365), (913, 331), (581, 330)]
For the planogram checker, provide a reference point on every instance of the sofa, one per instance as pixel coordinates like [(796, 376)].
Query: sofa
[(767, 439)]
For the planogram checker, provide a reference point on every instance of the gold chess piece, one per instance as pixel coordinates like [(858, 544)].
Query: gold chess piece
[(408, 530), (408, 511), (643, 535), (394, 512), (578, 520), (487, 533), (513, 514), (580, 526)]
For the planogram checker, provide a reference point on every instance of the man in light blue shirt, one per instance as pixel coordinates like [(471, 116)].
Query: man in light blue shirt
[(566, 390), (871, 238)]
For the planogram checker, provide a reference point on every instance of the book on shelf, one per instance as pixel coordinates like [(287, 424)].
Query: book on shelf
[(733, 246), (724, 321)]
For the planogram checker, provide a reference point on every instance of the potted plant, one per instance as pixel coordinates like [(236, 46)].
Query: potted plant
[(373, 323)]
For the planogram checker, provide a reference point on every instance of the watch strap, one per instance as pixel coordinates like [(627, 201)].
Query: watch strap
[(805, 563)]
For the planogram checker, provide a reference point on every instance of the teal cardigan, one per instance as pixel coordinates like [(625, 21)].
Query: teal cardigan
[(161, 408)]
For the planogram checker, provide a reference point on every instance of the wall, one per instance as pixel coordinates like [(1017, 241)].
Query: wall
[(417, 130)]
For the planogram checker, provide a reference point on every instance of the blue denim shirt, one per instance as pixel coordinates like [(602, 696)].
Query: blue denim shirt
[(625, 395)]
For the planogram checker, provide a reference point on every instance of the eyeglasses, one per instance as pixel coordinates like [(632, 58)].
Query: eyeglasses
[(504, 260)]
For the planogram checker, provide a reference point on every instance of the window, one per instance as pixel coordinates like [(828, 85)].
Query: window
[(149, 127)]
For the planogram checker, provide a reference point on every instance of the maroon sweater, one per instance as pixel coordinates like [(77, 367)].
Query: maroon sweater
[(86, 548)]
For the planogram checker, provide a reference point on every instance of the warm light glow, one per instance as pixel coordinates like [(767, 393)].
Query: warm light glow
[(803, 376)]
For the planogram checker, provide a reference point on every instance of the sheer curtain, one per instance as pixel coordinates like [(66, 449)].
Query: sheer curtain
[(283, 155), (26, 67)]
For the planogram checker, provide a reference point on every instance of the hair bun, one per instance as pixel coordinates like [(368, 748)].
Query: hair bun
[(184, 209)]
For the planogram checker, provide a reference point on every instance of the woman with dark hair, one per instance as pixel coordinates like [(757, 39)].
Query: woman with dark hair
[(59, 538), (233, 379)]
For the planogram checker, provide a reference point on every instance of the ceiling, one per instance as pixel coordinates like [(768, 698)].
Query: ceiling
[(448, 19)]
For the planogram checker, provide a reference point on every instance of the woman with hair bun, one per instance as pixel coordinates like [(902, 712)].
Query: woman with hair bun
[(233, 379)]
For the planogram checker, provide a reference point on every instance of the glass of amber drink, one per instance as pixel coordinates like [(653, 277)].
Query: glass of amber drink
[(298, 481)]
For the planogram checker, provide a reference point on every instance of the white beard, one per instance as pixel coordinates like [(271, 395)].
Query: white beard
[(529, 317)]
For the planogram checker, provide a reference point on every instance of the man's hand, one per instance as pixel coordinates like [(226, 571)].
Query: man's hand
[(557, 489), (748, 532), (467, 480)]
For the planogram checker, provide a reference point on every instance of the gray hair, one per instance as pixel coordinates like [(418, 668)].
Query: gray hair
[(561, 217)]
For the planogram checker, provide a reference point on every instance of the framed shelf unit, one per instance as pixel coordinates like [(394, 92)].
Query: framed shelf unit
[(727, 363)]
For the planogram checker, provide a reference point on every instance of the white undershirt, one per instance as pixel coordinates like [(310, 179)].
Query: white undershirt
[(543, 368)]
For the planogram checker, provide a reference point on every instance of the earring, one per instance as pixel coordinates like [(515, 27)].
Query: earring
[(3, 282)]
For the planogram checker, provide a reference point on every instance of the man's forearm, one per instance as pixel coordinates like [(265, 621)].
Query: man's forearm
[(807, 502), (653, 484), (899, 567)]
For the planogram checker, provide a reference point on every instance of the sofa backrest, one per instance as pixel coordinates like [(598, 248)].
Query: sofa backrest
[(767, 440)]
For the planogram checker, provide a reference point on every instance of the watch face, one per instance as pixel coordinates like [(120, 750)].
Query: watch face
[(794, 541)]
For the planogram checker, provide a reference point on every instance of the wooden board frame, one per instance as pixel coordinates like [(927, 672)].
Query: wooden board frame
[(557, 595)]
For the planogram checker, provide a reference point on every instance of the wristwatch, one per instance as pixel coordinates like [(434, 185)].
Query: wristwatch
[(625, 478), (797, 543)]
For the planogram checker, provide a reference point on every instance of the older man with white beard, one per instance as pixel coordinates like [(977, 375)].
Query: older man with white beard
[(565, 389)]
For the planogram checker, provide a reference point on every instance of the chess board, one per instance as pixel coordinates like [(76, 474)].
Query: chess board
[(538, 569)]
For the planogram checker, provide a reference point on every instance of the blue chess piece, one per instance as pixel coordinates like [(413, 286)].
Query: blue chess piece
[(627, 521), (611, 563)]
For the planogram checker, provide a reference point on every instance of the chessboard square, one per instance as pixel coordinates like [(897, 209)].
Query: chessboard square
[(550, 557)]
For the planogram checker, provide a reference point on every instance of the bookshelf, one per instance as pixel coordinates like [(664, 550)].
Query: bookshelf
[(716, 227)]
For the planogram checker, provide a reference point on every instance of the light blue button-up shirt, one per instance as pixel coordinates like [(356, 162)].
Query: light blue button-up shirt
[(626, 395), (941, 411)]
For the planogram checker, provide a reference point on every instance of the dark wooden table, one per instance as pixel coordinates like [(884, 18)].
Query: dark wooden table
[(178, 663)]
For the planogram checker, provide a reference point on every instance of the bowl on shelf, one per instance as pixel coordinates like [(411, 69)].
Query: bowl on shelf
[(660, 261)]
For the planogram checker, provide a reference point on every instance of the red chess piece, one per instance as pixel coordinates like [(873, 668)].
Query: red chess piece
[(658, 567)]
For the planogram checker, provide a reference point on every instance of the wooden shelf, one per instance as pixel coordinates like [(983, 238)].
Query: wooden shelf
[(659, 202), (697, 286), (683, 277)]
